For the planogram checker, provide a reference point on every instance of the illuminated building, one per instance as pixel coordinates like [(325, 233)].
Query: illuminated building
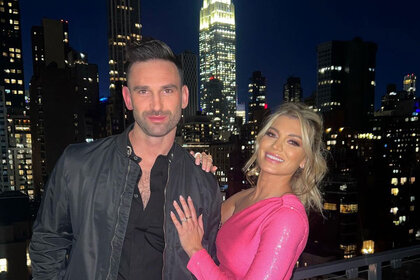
[(217, 48), (11, 74), (197, 129), (292, 91), (409, 84), (257, 111), (19, 152), (346, 82), (400, 154), (4, 166), (64, 98), (257, 90), (123, 27), (217, 107)]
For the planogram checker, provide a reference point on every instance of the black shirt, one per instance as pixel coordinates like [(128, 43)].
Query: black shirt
[(142, 252)]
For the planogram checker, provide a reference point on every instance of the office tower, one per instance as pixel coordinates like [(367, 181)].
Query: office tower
[(346, 82), (64, 97), (189, 64), (217, 48), (123, 27), (257, 112), (217, 107), (257, 103), (4, 165), (399, 130), (11, 63), (11, 78), (292, 91), (409, 84), (197, 129)]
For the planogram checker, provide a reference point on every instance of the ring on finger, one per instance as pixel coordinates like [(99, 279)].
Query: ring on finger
[(184, 219), (188, 218)]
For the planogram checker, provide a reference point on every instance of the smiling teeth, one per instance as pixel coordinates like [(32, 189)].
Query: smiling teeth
[(274, 158)]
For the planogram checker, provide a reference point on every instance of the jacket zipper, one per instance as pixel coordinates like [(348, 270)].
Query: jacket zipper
[(118, 218), (164, 217)]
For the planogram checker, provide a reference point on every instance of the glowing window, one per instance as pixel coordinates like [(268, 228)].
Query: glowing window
[(3, 265)]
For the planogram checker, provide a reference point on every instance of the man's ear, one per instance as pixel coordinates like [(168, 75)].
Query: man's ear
[(127, 98), (184, 96)]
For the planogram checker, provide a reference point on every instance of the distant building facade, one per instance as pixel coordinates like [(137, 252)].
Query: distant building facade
[(346, 82), (61, 76), (189, 64), (217, 46), (19, 152), (292, 90)]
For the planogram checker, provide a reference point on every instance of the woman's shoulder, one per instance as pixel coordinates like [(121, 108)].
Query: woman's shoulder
[(289, 209)]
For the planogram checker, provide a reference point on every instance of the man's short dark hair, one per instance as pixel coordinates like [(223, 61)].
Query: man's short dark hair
[(146, 50)]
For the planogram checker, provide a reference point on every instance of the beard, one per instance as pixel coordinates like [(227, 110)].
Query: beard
[(157, 129)]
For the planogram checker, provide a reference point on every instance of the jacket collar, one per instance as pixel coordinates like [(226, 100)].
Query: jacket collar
[(122, 143)]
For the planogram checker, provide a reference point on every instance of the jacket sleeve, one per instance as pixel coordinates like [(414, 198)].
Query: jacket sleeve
[(52, 231), (283, 239), (212, 219)]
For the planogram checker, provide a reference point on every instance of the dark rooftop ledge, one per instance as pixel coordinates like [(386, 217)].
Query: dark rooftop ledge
[(374, 262)]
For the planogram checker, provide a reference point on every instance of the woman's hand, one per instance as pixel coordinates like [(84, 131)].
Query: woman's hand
[(206, 161), (190, 229)]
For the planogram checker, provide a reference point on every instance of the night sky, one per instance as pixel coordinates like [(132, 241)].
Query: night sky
[(276, 37)]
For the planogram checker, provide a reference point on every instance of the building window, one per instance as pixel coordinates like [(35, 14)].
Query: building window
[(3, 265)]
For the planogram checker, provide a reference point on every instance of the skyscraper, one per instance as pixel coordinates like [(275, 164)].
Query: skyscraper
[(292, 91), (257, 103), (346, 81), (11, 63), (123, 27), (19, 152), (409, 84), (61, 74), (217, 48), (188, 61)]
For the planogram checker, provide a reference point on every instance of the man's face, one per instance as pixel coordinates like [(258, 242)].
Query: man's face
[(156, 96)]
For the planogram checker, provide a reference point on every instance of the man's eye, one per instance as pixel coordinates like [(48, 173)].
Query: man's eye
[(168, 90)]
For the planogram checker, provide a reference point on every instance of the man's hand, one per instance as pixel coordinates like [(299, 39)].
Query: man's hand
[(206, 161)]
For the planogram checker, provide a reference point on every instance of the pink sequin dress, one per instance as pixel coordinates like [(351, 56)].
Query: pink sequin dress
[(263, 241)]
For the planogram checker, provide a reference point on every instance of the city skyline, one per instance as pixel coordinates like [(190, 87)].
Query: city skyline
[(278, 39)]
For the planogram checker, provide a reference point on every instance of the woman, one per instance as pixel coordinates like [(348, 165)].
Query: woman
[(264, 228)]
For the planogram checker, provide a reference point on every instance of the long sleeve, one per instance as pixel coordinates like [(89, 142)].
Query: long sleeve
[(212, 221), (52, 231), (283, 238)]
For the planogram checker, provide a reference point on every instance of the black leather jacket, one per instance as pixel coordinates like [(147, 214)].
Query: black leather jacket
[(80, 227)]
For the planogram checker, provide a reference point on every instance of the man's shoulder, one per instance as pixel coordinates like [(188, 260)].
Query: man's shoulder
[(81, 150), (188, 161)]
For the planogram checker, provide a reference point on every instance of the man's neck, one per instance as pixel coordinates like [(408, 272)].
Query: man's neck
[(149, 148)]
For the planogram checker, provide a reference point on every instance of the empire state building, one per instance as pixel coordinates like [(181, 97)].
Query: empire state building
[(218, 61)]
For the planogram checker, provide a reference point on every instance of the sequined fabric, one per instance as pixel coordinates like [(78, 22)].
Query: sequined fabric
[(263, 241)]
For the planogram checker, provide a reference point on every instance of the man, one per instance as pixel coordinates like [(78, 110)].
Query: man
[(105, 213)]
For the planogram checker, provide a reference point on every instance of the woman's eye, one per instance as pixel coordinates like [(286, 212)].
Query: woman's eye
[(294, 143), (269, 134)]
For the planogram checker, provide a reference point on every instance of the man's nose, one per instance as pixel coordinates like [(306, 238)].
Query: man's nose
[(157, 102)]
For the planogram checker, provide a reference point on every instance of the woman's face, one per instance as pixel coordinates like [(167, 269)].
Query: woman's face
[(280, 150)]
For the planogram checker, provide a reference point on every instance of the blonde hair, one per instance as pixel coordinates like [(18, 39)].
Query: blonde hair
[(305, 182)]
